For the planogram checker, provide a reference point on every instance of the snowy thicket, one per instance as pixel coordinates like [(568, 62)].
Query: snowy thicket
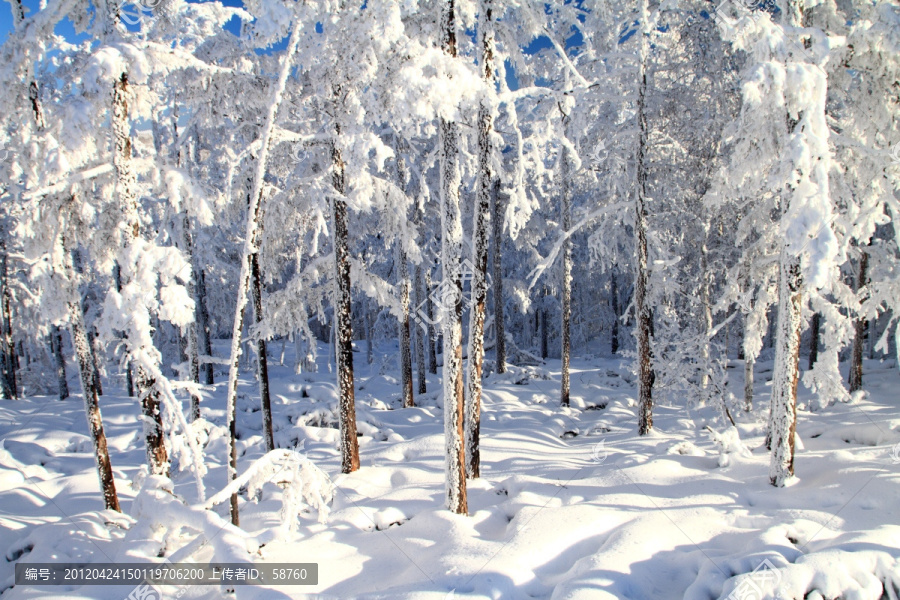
[(475, 182)]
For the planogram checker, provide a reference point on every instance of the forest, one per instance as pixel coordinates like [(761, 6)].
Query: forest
[(451, 298)]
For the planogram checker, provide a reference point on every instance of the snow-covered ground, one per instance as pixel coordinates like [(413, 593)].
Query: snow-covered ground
[(572, 503)]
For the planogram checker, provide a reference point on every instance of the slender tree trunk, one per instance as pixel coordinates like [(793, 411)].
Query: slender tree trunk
[(421, 333), (369, 327), (748, 383), (203, 325), (262, 356), (405, 350), (481, 222), (566, 220), (7, 351), (856, 366), (814, 339), (98, 380), (430, 338), (251, 247), (614, 292), (344, 319), (787, 371), (545, 335), (499, 322), (641, 304), (706, 308), (56, 346), (191, 347), (451, 311), (405, 292), (126, 189), (92, 407)]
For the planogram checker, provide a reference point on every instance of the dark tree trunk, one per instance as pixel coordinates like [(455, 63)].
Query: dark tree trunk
[(203, 325), (405, 293), (191, 347), (262, 357), (92, 406), (451, 315), (56, 346), (499, 323), (432, 334), (566, 220), (98, 381), (7, 351), (545, 335), (856, 366), (614, 292), (421, 333), (642, 266), (814, 339), (344, 319), (129, 378)]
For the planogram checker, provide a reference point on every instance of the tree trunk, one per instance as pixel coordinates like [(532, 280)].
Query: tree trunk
[(7, 351), (261, 355), (430, 338), (566, 220), (203, 325), (614, 292), (545, 335), (405, 291), (369, 327), (98, 380), (707, 324), (344, 319), (787, 371), (856, 367), (56, 346), (748, 383), (451, 309), (481, 222), (251, 247), (499, 323), (92, 406), (814, 339), (641, 304), (405, 350), (192, 349), (421, 333)]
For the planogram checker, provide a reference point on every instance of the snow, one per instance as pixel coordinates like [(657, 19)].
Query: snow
[(659, 516)]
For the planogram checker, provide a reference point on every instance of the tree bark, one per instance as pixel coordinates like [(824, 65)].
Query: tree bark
[(814, 339), (481, 222), (7, 350), (706, 308), (192, 349), (92, 407), (566, 220), (748, 383), (451, 309), (203, 325), (56, 346), (787, 371), (856, 360), (343, 319), (406, 375), (430, 338), (499, 323), (641, 304), (421, 333), (614, 292), (98, 380), (261, 355)]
